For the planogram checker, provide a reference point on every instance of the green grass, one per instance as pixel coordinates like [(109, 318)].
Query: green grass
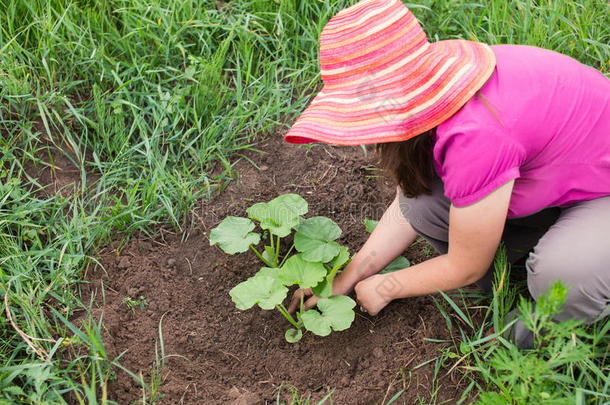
[(151, 101), (147, 99), (568, 365)]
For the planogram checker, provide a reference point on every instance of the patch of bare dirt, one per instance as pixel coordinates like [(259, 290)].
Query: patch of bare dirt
[(240, 357), (55, 167)]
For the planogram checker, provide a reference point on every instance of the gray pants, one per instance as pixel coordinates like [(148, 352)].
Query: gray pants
[(568, 244)]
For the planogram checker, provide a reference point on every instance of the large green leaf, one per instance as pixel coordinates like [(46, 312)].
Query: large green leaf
[(325, 287), (293, 202), (319, 227), (263, 290), (342, 258), (268, 272), (399, 263), (279, 215), (316, 250), (306, 274), (336, 313), (315, 239), (275, 220), (233, 235)]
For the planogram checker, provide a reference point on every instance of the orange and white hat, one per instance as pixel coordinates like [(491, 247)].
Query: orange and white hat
[(383, 80)]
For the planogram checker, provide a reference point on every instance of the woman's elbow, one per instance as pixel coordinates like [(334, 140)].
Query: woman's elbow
[(466, 272), (469, 274), (472, 277)]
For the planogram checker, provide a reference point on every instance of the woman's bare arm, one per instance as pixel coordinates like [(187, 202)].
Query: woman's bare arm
[(474, 235), (390, 238)]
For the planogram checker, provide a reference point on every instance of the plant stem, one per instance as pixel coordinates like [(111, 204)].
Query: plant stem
[(288, 317), (286, 257), (256, 252), (331, 274), (277, 250)]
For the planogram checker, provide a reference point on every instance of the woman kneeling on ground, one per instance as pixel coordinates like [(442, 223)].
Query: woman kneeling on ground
[(487, 144)]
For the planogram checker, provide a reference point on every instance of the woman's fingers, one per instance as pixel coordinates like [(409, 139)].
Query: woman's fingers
[(311, 302), (367, 294), (294, 302), (296, 299)]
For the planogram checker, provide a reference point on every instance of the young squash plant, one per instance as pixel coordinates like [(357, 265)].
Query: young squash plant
[(312, 261)]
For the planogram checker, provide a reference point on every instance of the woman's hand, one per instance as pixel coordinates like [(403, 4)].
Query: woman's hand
[(307, 302), (372, 257), (372, 293), (342, 285)]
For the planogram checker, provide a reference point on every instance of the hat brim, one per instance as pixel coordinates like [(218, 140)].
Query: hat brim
[(448, 74)]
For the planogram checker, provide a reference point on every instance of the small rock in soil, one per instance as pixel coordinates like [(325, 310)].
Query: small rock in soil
[(247, 398), (133, 291), (234, 393), (123, 263)]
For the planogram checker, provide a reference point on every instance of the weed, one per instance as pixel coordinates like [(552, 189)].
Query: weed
[(567, 364), (132, 304)]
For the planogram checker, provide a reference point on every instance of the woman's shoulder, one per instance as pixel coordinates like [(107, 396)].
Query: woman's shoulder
[(482, 114), (514, 50), (526, 78), (530, 68), (533, 60)]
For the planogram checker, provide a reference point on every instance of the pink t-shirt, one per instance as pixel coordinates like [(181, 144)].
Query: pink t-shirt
[(543, 120)]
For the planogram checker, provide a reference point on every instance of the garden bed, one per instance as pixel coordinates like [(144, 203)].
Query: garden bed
[(224, 355)]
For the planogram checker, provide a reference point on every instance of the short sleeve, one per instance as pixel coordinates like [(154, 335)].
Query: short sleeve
[(473, 160)]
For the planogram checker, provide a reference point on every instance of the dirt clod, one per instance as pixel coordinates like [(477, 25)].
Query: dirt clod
[(247, 398), (123, 263)]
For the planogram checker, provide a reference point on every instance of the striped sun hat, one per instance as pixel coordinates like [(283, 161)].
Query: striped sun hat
[(383, 80)]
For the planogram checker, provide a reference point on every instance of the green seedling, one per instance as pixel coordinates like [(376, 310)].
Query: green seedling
[(310, 258), (132, 304)]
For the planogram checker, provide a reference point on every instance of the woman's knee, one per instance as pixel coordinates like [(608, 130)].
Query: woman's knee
[(585, 277), (575, 251)]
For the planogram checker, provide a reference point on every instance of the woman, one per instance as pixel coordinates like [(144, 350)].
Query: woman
[(486, 144)]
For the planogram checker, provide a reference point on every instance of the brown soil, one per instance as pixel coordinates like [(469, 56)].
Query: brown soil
[(54, 167), (230, 356), (54, 172)]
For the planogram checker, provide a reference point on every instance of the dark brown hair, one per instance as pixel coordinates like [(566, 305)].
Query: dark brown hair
[(409, 163)]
